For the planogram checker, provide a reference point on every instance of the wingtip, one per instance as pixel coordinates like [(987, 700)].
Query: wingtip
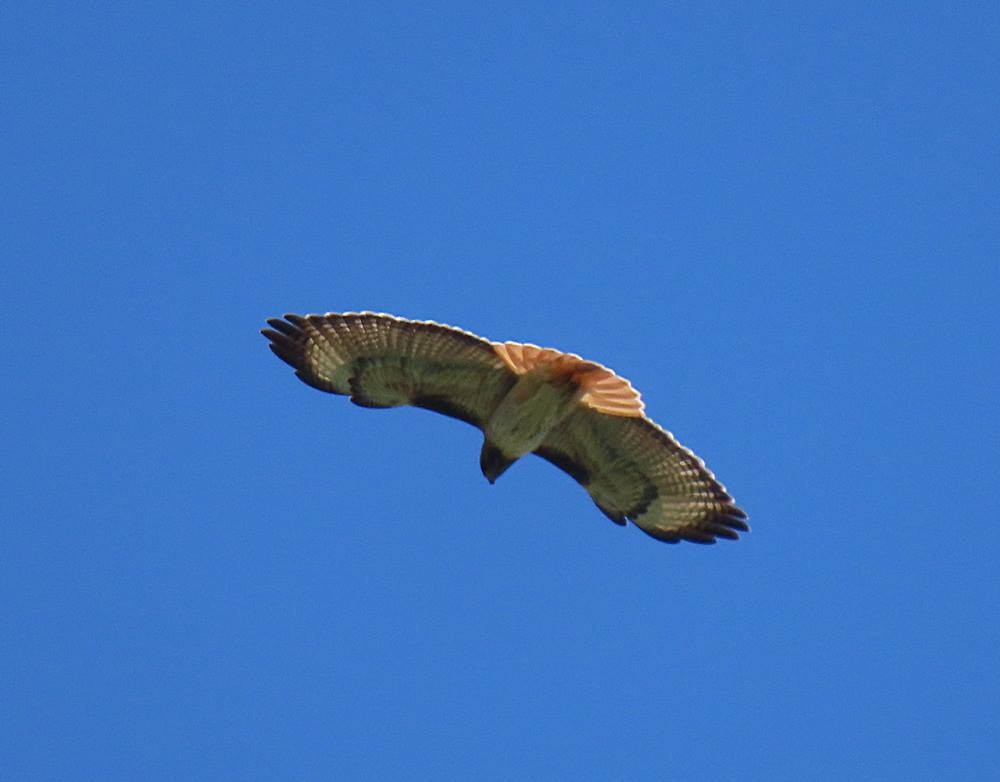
[(286, 350), (734, 521), (722, 531), (284, 327)]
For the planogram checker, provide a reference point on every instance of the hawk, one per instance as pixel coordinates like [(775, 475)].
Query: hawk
[(574, 413)]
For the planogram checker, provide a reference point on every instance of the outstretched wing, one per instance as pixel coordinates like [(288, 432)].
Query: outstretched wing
[(384, 361), (634, 470)]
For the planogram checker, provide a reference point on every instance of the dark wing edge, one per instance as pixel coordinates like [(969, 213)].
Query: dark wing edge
[(290, 343), (382, 360), (589, 443), (715, 514)]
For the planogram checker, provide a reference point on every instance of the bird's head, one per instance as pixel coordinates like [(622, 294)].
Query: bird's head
[(493, 461)]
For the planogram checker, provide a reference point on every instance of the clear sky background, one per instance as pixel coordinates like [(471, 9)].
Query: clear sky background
[(780, 223)]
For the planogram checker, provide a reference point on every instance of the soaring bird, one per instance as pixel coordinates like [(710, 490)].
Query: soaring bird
[(574, 413)]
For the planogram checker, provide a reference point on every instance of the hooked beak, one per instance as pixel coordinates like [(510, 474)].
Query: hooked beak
[(493, 461)]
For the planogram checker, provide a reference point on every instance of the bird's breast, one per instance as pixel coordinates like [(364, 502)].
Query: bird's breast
[(528, 412)]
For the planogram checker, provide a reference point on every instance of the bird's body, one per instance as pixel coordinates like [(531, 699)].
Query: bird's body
[(577, 414), (536, 403)]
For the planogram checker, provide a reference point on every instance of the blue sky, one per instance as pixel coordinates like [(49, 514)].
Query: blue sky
[(780, 223)]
